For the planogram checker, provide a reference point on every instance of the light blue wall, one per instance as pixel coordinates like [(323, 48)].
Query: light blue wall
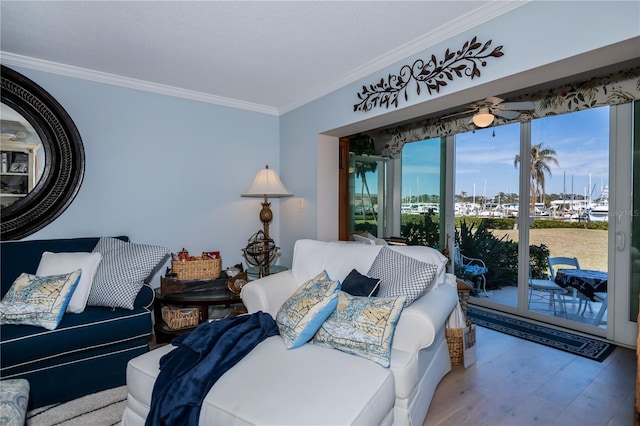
[(537, 39), (163, 170)]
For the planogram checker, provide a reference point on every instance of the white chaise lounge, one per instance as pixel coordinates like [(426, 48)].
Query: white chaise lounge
[(314, 384)]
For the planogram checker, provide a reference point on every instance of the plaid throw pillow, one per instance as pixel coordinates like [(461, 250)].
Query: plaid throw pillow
[(122, 272), (401, 275)]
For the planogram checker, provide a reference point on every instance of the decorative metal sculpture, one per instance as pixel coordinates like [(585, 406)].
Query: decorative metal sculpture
[(261, 251), (433, 74)]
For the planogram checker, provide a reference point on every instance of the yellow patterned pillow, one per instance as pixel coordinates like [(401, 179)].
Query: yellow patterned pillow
[(39, 301), (362, 326), (304, 312)]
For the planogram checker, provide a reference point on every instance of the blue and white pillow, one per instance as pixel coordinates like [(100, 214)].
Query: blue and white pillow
[(304, 312), (122, 271), (362, 326), (14, 398), (38, 301), (402, 275)]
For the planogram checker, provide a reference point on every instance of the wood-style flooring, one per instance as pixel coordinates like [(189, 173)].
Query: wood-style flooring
[(519, 383)]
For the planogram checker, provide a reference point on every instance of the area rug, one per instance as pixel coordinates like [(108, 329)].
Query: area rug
[(594, 349), (98, 409)]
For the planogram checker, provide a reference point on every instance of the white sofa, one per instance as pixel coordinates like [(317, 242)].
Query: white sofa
[(314, 384)]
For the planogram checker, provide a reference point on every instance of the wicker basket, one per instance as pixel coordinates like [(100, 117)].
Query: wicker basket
[(458, 352), (200, 269), (177, 318), (455, 344)]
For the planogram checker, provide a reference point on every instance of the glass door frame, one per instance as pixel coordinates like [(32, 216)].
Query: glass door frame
[(622, 329)]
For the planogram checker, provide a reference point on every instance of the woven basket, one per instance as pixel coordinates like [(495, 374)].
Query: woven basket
[(177, 318), (455, 344), (201, 269)]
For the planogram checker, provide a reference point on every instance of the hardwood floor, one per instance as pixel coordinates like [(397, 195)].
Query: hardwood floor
[(515, 382)]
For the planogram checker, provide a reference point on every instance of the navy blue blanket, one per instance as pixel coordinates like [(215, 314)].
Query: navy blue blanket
[(188, 372)]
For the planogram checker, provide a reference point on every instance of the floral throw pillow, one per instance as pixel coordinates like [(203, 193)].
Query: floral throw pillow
[(308, 307), (39, 301)]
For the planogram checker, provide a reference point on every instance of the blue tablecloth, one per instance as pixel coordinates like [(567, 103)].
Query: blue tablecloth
[(585, 281)]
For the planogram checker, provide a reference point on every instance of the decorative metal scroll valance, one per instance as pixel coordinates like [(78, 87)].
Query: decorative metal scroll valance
[(431, 74), (611, 89)]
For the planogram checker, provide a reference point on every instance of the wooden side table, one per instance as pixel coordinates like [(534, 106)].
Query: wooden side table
[(214, 293)]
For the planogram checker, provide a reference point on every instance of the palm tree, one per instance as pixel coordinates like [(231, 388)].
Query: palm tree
[(359, 145), (540, 159)]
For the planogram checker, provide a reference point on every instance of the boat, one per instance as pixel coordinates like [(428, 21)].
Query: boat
[(599, 213)]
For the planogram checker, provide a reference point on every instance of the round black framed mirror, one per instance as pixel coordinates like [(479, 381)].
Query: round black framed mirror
[(61, 169)]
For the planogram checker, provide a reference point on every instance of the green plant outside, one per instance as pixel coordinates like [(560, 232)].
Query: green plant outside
[(474, 240)]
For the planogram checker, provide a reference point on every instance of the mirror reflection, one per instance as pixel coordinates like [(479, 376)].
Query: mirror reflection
[(22, 156)]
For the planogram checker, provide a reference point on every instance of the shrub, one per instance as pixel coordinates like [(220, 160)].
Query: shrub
[(421, 230), (538, 260), (500, 255)]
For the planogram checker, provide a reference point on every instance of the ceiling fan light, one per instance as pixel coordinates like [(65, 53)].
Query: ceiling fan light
[(483, 119)]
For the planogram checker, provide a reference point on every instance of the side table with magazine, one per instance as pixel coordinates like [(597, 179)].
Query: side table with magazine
[(202, 300)]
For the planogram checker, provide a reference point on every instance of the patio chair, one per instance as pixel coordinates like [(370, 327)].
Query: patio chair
[(547, 286), (472, 267), (566, 263)]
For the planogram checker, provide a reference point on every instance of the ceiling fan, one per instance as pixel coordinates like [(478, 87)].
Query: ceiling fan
[(486, 110)]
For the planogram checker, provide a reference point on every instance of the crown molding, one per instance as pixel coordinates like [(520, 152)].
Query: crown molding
[(440, 34), (131, 83)]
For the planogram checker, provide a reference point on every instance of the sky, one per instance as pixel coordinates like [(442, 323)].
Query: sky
[(485, 163)]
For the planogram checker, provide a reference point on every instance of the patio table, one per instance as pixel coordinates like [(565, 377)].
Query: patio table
[(586, 281)]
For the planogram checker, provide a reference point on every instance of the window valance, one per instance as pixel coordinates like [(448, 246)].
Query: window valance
[(611, 89)]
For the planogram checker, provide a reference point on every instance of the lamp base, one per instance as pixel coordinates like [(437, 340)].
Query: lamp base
[(266, 215), (260, 251)]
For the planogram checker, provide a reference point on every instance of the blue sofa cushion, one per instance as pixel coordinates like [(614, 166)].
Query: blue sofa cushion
[(23, 347)]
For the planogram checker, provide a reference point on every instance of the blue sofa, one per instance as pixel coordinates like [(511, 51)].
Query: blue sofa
[(87, 352)]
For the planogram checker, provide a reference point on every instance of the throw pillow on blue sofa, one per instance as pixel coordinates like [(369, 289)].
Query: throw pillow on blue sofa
[(62, 263), (122, 272), (39, 301)]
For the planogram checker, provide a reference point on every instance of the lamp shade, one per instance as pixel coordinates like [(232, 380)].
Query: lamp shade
[(483, 118), (267, 183)]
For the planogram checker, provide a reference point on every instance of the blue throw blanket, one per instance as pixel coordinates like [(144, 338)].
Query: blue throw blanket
[(188, 372)]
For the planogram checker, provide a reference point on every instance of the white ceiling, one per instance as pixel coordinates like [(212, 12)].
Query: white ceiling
[(268, 56)]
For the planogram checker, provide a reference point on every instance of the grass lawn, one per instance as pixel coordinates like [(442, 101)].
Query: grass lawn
[(588, 245)]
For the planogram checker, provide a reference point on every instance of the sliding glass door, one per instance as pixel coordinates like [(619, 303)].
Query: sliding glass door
[(568, 178), (555, 187), (526, 194)]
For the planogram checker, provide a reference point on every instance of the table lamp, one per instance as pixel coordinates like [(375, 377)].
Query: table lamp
[(261, 250), (267, 184)]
